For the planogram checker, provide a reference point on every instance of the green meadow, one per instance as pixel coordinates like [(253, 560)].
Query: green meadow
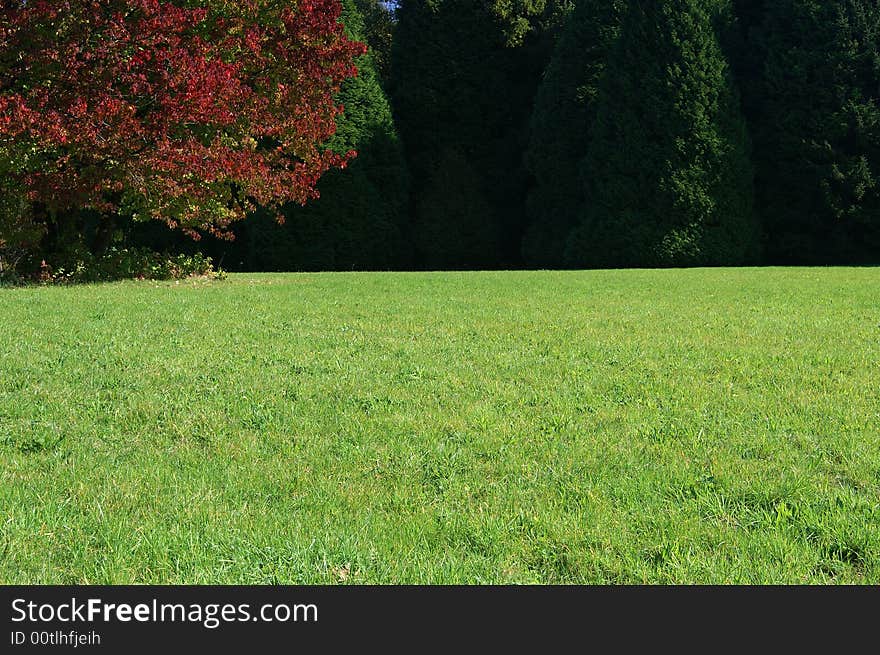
[(676, 426)]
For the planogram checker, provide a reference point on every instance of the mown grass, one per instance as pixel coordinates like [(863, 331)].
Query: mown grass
[(701, 426)]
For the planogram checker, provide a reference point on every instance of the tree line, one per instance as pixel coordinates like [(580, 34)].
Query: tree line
[(604, 133), (589, 133)]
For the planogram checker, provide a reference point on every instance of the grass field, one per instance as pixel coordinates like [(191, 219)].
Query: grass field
[(701, 426)]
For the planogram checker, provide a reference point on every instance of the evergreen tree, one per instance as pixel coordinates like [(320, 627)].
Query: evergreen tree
[(463, 239), (560, 125), (667, 175), (464, 75), (378, 33), (355, 224), (817, 130)]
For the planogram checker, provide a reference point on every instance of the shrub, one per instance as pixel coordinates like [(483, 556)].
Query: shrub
[(19, 234), (81, 266)]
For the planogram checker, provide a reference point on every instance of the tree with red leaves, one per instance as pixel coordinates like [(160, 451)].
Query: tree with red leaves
[(187, 111)]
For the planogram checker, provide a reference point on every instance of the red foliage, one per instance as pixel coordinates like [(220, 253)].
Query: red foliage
[(188, 112)]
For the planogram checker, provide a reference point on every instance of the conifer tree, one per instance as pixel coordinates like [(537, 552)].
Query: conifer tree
[(667, 176), (560, 125), (464, 75), (355, 224), (817, 130)]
